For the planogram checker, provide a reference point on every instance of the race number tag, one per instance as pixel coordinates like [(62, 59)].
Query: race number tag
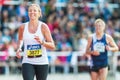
[(34, 50), (100, 47)]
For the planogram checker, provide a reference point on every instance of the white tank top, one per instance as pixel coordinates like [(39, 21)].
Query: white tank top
[(30, 44)]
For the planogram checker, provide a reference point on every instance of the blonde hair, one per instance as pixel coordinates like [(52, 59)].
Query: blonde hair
[(100, 20), (37, 5)]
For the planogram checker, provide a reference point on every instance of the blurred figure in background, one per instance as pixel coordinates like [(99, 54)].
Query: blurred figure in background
[(98, 46)]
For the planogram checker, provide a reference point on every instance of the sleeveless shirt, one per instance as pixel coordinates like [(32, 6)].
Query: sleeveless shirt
[(99, 45), (32, 47)]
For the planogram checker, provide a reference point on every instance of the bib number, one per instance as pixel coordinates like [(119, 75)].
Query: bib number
[(100, 47), (34, 50)]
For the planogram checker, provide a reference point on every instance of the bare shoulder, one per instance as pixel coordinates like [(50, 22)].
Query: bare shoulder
[(89, 41), (20, 31), (90, 38), (109, 38), (22, 27), (44, 27)]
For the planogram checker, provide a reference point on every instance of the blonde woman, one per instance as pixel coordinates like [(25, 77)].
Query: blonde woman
[(36, 37), (98, 46)]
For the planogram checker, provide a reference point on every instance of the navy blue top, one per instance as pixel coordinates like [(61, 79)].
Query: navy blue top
[(99, 45)]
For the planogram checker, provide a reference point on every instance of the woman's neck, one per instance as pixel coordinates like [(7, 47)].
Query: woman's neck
[(99, 35), (33, 23), (33, 26)]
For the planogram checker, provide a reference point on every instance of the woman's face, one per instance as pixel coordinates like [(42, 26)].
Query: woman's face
[(99, 27), (34, 12)]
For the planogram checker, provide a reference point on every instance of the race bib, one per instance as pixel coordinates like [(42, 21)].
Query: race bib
[(34, 50), (100, 47)]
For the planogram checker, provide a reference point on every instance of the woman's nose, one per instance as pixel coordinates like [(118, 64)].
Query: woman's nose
[(32, 11)]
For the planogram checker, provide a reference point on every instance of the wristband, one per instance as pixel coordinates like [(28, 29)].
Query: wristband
[(21, 44)]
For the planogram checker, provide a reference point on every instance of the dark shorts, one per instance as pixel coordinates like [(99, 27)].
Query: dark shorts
[(97, 68), (29, 71)]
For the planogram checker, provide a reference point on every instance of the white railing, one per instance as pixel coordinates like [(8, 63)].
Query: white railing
[(74, 63)]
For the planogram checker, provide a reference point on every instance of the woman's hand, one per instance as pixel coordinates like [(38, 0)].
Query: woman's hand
[(38, 39), (95, 53), (18, 53), (108, 48)]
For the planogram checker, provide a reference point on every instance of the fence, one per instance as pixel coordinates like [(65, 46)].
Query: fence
[(65, 62)]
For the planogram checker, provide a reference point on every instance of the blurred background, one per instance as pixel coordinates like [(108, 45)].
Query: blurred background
[(70, 22)]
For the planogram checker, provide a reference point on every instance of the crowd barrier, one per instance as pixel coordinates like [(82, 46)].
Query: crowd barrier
[(66, 62)]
